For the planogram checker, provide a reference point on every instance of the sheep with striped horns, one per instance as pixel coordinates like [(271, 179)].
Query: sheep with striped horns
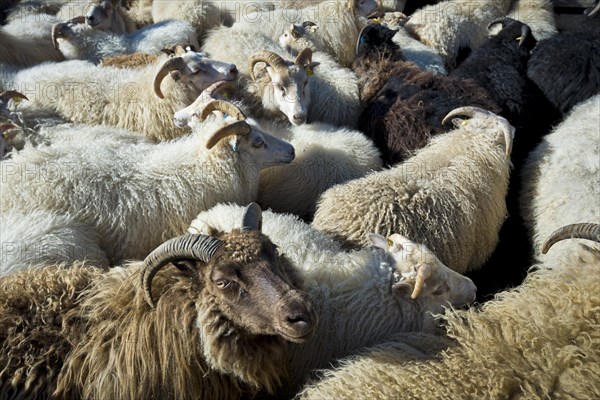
[(539, 340), (77, 41), (450, 195), (361, 297), (202, 317), (404, 105), (568, 156), (81, 172), (139, 100)]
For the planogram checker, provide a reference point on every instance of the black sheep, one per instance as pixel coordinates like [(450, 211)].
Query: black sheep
[(566, 67), (404, 105)]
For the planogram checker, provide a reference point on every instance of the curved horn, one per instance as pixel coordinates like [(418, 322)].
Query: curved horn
[(304, 57), (271, 59), (12, 94), (225, 107), (308, 23), (237, 128), (252, 219), (361, 35), (590, 12), (507, 128), (502, 21), (422, 275), (573, 231), (527, 38), (57, 32), (176, 63), (190, 246)]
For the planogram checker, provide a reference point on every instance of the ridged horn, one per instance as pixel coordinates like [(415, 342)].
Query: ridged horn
[(573, 231), (186, 247), (172, 64), (271, 59), (304, 57), (237, 128), (57, 29), (590, 12), (224, 106), (362, 33), (423, 274), (252, 219), (5, 97), (507, 128)]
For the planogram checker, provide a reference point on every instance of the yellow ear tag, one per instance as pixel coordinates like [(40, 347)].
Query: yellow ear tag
[(378, 20), (309, 71), (17, 100), (464, 122), (311, 30), (390, 243), (519, 38)]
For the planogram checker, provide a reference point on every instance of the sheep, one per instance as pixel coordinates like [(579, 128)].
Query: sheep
[(361, 297), (76, 42), (361, 8), (566, 67), (131, 99), (135, 60), (325, 156), (24, 50), (331, 94), (404, 105), (569, 156), (424, 57), (539, 340), (97, 177), (109, 15), (339, 26), (455, 25), (448, 196), (219, 328), (537, 14)]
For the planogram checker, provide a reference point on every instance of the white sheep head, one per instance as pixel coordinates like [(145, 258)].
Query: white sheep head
[(420, 274), (294, 32), (241, 275), (102, 14), (194, 70), (285, 83), (245, 135)]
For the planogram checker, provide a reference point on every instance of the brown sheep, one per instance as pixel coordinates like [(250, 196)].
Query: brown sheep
[(218, 330), (404, 106), (135, 60)]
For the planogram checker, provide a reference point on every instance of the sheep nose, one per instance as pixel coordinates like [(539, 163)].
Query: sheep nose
[(299, 119), (90, 20), (299, 321)]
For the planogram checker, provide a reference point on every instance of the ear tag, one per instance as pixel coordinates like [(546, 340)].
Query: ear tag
[(519, 38), (311, 30), (464, 122), (17, 100), (309, 71), (378, 20), (390, 243)]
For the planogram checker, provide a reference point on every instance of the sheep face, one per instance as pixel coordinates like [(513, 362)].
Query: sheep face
[(421, 276), (257, 289), (100, 15), (267, 150), (376, 38), (289, 92), (514, 32), (294, 32)]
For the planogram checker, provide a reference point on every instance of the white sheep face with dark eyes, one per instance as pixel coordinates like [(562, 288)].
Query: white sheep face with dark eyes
[(441, 285), (289, 92), (100, 16), (200, 71)]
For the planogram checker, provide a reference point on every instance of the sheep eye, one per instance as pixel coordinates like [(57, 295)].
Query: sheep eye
[(258, 144), (222, 283), (439, 290)]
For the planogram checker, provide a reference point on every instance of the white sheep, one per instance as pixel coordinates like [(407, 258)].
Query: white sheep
[(539, 340), (538, 14), (136, 193), (561, 178), (450, 195), (139, 100), (76, 40), (452, 25), (109, 15), (325, 156), (361, 297)]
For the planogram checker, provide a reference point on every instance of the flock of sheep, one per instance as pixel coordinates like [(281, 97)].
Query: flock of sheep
[(299, 199)]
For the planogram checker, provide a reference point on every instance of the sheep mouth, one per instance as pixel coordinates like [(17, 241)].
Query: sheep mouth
[(297, 338)]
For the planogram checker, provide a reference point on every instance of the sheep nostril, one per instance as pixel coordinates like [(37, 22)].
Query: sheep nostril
[(298, 320), (299, 118)]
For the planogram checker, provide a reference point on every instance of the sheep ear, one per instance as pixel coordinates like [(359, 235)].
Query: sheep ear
[(403, 289), (403, 243), (179, 50), (296, 31), (379, 241)]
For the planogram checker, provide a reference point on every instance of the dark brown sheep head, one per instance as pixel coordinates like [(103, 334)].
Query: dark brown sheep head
[(377, 39), (252, 286)]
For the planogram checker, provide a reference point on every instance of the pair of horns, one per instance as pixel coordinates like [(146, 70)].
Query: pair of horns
[(276, 62), (58, 28), (573, 231), (472, 112), (190, 247)]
